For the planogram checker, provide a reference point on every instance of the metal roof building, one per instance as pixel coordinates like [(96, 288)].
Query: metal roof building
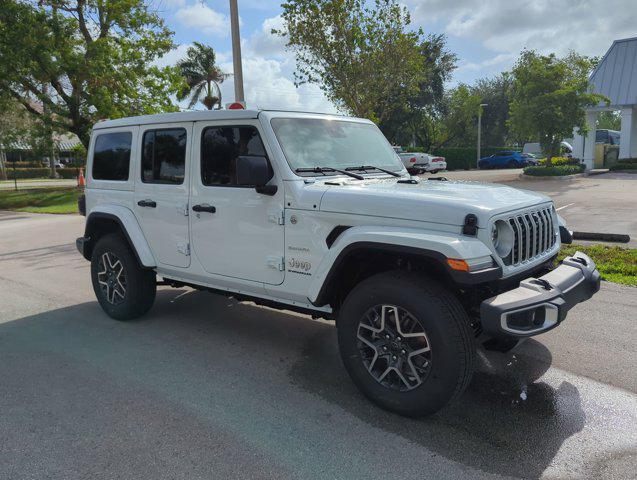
[(616, 78)]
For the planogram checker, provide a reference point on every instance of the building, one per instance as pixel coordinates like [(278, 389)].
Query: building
[(616, 78)]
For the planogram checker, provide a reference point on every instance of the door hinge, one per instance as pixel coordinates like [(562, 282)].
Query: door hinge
[(278, 217), (184, 248), (278, 263)]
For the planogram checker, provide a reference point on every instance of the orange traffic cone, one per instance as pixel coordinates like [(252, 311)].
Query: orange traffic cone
[(81, 181)]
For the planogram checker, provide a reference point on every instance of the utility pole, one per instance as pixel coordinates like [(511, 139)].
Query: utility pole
[(479, 132), (236, 52)]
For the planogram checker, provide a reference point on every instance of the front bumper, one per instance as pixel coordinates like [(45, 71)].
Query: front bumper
[(540, 304)]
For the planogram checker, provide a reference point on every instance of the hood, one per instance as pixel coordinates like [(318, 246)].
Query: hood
[(446, 202)]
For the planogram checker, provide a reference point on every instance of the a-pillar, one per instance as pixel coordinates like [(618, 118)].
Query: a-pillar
[(589, 140), (628, 143)]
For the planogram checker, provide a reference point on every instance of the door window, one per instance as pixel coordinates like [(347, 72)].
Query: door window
[(164, 156), (111, 156), (220, 148)]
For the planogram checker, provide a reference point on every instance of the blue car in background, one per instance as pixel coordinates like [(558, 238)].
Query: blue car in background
[(505, 159)]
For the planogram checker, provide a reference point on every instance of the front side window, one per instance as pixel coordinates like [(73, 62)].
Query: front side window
[(220, 148), (318, 142), (111, 156), (164, 156)]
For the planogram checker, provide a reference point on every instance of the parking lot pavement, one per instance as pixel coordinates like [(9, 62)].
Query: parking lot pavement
[(205, 387), (600, 203)]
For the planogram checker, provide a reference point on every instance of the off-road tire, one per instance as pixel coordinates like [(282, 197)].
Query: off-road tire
[(141, 284), (446, 324)]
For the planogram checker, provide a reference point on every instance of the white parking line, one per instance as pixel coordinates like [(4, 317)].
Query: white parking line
[(565, 206)]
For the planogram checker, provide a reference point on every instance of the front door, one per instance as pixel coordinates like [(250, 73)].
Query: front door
[(161, 191), (235, 231)]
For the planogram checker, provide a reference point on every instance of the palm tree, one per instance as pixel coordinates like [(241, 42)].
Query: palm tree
[(201, 74)]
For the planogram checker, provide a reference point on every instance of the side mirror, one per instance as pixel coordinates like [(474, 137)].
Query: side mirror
[(255, 171)]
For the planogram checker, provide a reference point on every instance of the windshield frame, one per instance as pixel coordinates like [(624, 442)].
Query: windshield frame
[(398, 165)]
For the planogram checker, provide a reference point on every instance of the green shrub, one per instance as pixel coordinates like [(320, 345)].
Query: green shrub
[(624, 165), (561, 161), (554, 171), (22, 173), (41, 172), (32, 164)]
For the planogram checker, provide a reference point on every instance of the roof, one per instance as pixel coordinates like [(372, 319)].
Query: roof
[(63, 143), (616, 74), (178, 117)]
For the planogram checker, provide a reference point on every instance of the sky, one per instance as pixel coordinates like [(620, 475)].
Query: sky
[(487, 36)]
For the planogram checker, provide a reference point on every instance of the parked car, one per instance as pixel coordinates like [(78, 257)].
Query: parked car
[(417, 162), (530, 159), (609, 137), (504, 159), (315, 214), (534, 148)]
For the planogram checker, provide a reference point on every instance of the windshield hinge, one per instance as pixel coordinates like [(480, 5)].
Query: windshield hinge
[(278, 217), (184, 248)]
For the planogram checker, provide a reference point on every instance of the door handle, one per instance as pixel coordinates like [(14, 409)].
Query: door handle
[(147, 203), (204, 208)]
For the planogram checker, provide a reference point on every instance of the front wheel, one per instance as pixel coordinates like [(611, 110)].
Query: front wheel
[(124, 289), (406, 342)]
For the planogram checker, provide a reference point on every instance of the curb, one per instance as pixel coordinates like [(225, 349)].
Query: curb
[(550, 177)]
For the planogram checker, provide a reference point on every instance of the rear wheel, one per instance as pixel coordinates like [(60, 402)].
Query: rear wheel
[(123, 288), (512, 164), (406, 343)]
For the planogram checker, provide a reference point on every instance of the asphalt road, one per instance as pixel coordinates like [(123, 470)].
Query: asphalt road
[(204, 387)]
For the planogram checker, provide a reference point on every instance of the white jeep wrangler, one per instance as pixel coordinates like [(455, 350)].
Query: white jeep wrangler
[(316, 214)]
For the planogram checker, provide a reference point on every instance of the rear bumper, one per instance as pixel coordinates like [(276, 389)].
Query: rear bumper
[(540, 304)]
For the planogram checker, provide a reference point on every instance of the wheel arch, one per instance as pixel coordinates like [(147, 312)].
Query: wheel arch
[(112, 219), (360, 252)]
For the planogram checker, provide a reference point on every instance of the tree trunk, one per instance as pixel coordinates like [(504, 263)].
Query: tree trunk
[(3, 162)]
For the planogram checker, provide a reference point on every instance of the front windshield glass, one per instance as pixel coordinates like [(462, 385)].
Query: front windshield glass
[(317, 142)]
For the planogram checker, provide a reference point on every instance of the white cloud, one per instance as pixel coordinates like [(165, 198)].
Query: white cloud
[(172, 3), (263, 42), (205, 19), (508, 26), (503, 61), (170, 58)]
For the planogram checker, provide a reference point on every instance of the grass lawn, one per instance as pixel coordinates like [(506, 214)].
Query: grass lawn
[(616, 264), (42, 200)]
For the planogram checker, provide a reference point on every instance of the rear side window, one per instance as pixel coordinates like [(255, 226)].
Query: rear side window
[(600, 136), (164, 156), (220, 148), (111, 156)]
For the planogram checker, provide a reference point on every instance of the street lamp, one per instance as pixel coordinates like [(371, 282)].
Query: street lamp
[(236, 52), (480, 131)]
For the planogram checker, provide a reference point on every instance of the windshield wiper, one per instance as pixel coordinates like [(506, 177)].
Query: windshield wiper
[(329, 169), (371, 167)]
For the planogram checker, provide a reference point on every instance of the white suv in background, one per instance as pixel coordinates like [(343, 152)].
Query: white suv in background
[(315, 214)]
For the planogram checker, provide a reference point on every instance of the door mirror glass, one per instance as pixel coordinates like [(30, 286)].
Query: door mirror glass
[(253, 171)]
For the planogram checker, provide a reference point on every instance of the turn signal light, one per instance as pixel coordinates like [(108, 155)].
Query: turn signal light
[(460, 265)]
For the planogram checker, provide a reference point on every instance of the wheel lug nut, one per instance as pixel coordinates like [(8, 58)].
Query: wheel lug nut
[(403, 352), (387, 337), (385, 348), (393, 357), (399, 339)]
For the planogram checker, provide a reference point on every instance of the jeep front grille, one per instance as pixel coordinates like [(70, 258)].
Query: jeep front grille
[(534, 235)]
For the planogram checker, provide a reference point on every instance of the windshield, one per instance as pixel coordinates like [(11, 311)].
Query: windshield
[(316, 142)]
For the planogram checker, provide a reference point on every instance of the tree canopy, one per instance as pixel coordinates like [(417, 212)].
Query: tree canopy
[(201, 73), (549, 98), (365, 58), (72, 62)]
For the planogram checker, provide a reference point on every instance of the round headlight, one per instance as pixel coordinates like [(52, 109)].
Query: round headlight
[(502, 238)]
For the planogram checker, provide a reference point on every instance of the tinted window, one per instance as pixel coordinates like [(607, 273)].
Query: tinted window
[(600, 136), (164, 156), (614, 138), (111, 156), (220, 148)]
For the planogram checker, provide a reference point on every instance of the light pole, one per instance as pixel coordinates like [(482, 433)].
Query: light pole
[(480, 132), (236, 52)]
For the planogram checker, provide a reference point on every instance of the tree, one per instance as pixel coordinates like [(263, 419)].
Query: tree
[(364, 58), (458, 127), (200, 73), (549, 98), (609, 120), (414, 118), (15, 127), (496, 92), (83, 60)]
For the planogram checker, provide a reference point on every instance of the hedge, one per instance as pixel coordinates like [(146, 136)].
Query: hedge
[(460, 158), (561, 161), (27, 173), (622, 165), (554, 171)]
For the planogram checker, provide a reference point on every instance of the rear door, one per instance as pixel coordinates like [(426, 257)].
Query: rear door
[(161, 190)]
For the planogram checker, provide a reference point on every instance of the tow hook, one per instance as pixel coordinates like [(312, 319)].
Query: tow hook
[(580, 260)]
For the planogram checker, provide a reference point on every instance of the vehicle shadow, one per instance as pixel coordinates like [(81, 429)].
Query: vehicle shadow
[(193, 341)]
